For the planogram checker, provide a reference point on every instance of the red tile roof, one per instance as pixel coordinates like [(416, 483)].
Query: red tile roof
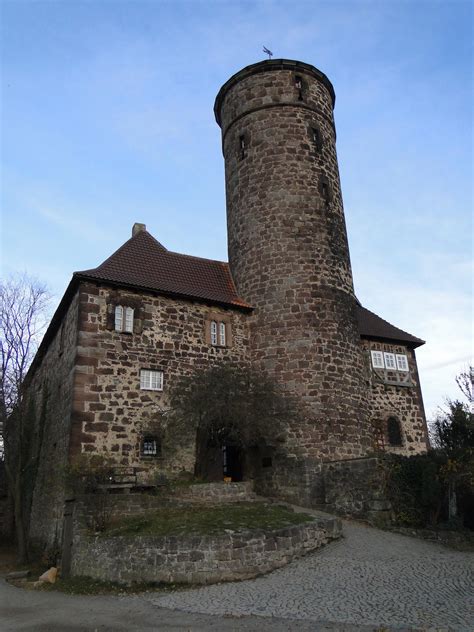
[(142, 262), (372, 326)]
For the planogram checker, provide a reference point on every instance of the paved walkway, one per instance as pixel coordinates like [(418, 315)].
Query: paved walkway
[(371, 578)]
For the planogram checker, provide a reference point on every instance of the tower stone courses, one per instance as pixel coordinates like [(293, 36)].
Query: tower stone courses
[(288, 249)]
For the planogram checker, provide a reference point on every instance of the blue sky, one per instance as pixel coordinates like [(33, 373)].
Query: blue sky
[(107, 119)]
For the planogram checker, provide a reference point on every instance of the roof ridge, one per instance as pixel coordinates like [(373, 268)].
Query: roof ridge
[(122, 247), (182, 254)]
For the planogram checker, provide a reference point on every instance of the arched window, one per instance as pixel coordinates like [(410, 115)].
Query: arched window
[(394, 432)]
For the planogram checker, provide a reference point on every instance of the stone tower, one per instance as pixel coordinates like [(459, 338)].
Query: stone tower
[(288, 250)]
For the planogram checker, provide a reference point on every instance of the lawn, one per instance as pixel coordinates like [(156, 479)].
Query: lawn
[(208, 520)]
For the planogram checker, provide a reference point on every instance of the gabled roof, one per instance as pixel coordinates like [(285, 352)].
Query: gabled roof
[(372, 326), (143, 263)]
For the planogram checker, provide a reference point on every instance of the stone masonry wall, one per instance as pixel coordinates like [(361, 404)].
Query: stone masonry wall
[(110, 411), (401, 401), (289, 256), (354, 488), (197, 559), (50, 392)]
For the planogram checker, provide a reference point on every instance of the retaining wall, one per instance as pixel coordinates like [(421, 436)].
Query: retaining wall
[(197, 559)]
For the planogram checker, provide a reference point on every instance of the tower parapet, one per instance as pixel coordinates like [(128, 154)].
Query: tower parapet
[(288, 249)]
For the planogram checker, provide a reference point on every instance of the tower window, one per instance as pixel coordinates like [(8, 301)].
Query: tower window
[(394, 432), (316, 137), (325, 189), (299, 87), (242, 146)]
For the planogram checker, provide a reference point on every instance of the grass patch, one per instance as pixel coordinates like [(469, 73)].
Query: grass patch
[(208, 520)]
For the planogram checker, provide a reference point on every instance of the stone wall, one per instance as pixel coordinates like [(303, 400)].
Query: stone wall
[(216, 493), (395, 394), (197, 559), (50, 393), (288, 252), (354, 488), (111, 412)]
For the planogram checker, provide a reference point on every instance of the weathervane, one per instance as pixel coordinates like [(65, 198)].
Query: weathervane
[(269, 52)]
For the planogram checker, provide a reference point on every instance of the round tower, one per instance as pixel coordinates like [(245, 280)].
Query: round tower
[(288, 250)]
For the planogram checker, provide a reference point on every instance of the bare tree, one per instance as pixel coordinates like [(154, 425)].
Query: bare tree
[(23, 303)]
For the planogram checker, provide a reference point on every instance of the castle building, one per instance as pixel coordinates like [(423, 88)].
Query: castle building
[(128, 329)]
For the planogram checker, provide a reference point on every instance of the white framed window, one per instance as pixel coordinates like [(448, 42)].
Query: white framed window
[(377, 359), (222, 334), (124, 319), (151, 380), (213, 332), (118, 318), (402, 362), (128, 320), (390, 361)]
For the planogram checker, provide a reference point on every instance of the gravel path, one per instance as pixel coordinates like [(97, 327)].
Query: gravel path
[(371, 577)]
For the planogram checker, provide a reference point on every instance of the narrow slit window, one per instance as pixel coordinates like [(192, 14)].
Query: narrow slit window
[(213, 332), (222, 339), (242, 146), (316, 136)]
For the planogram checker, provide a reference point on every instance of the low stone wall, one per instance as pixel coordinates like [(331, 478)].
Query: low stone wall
[(355, 488), (197, 559), (216, 493)]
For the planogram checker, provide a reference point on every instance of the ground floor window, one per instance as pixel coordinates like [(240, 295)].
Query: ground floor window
[(151, 446)]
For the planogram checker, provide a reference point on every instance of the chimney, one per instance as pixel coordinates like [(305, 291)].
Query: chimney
[(138, 228)]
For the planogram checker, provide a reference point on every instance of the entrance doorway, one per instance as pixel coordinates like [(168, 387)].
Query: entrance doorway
[(232, 462)]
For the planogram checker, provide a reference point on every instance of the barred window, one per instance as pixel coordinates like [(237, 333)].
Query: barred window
[(151, 446)]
